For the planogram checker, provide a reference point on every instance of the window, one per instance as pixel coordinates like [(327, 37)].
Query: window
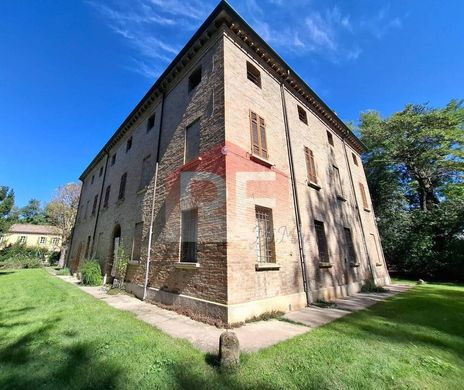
[(189, 225), (194, 79), (151, 123), (265, 246), (355, 160), (363, 196), (107, 197), (192, 141), (129, 144), (101, 172), (146, 176), (310, 165), (122, 187), (87, 209), (330, 138), (22, 240), (95, 204), (337, 181), (302, 115), (113, 159), (93, 179), (55, 241), (349, 245), (253, 74), (42, 240), (87, 247), (137, 243), (321, 242), (258, 135)]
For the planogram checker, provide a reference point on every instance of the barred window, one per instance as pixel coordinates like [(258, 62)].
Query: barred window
[(321, 241), (265, 245), (258, 135), (189, 226), (349, 245)]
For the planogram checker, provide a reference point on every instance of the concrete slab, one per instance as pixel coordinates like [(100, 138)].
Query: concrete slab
[(253, 336)]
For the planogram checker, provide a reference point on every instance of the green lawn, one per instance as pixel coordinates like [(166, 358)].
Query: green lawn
[(52, 335)]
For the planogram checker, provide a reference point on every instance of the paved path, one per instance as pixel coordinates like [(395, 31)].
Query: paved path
[(253, 336)]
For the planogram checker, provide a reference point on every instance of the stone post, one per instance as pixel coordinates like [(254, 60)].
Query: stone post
[(229, 351)]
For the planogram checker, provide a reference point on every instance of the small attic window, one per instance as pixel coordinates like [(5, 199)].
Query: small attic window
[(253, 74), (302, 115), (194, 79), (330, 138)]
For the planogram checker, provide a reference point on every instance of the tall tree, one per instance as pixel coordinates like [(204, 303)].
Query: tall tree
[(6, 205), (62, 210), (424, 146), (32, 213)]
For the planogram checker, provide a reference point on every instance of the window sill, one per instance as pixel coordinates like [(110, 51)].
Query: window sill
[(267, 266), (260, 160), (355, 264), (341, 197), (142, 190), (325, 264), (186, 265), (367, 210), (313, 185), (191, 163), (378, 264)]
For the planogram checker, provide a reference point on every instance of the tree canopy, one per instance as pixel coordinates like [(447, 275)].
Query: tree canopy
[(6, 206)]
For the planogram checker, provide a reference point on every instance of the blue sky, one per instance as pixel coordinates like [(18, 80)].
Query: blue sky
[(72, 70)]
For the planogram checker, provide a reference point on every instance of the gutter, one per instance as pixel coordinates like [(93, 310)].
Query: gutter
[(296, 205), (152, 217)]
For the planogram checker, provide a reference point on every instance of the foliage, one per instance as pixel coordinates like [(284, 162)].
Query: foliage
[(121, 266), (6, 206), (370, 287), (64, 271), (62, 209), (91, 273), (57, 336), (21, 256), (415, 170), (32, 213)]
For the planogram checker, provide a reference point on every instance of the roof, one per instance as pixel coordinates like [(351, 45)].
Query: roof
[(225, 14), (27, 228)]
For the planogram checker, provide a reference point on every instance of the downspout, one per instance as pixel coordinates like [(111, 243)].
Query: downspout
[(152, 217), (99, 203), (353, 188), (296, 205)]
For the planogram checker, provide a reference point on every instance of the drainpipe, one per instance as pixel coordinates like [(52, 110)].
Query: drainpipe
[(359, 212), (99, 204), (152, 217), (296, 205)]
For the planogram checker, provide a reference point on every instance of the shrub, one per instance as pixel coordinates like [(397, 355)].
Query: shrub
[(370, 287), (20, 256), (91, 273)]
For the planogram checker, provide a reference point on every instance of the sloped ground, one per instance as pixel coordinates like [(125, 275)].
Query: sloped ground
[(52, 335)]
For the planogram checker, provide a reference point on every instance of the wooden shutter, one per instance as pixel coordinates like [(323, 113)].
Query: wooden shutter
[(258, 135), (363, 196), (310, 165)]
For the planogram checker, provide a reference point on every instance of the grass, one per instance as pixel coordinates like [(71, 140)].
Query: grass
[(54, 336)]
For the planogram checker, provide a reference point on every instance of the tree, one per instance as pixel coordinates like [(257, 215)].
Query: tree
[(415, 168), (32, 213), (6, 205), (62, 210)]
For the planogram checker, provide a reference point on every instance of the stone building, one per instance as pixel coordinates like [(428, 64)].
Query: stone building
[(248, 190)]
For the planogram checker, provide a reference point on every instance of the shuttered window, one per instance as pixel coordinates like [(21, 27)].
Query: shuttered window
[(337, 181), (265, 246), (302, 115), (258, 135), (122, 187), (349, 245), (189, 226), (310, 165), (363, 196), (107, 197), (321, 242), (95, 204), (355, 159)]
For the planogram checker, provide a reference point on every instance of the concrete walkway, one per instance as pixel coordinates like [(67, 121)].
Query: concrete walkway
[(253, 336)]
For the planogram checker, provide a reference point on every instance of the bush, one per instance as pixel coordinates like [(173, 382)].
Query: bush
[(20, 256), (370, 287), (91, 273), (54, 258)]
